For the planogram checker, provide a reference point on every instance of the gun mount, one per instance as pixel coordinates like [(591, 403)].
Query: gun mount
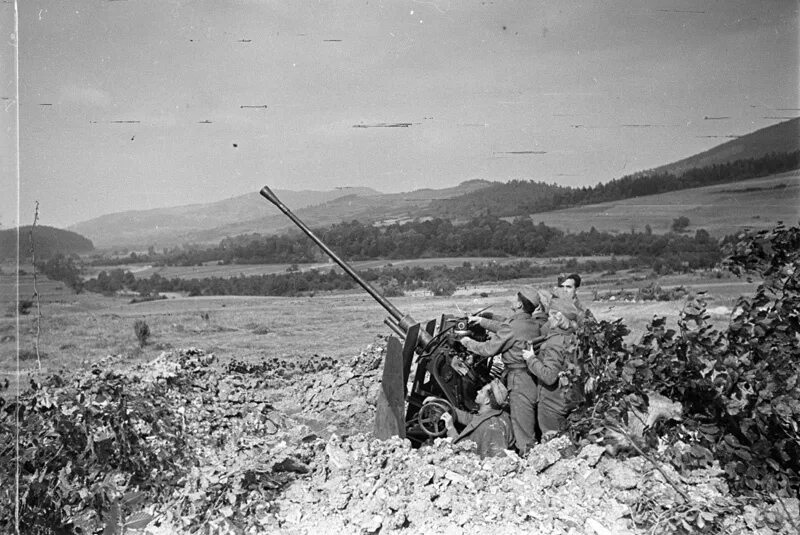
[(443, 367)]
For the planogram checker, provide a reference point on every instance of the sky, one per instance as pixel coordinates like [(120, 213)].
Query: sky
[(140, 104)]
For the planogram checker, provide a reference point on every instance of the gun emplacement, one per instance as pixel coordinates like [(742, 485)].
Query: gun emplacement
[(445, 369)]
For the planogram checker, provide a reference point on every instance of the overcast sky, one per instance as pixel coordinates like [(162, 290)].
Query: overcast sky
[(137, 104)]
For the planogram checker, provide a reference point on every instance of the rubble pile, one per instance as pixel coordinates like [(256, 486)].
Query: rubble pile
[(244, 450), (253, 468), (344, 395), (362, 485), (277, 372)]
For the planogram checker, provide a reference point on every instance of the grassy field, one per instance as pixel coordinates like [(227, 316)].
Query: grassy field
[(212, 269), (78, 330), (721, 209)]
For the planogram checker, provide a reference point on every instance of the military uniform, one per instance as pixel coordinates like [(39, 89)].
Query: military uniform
[(508, 341), (549, 366), (490, 430)]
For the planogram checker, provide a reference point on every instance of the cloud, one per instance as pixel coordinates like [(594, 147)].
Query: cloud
[(87, 96)]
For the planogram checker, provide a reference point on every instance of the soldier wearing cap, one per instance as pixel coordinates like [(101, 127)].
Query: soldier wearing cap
[(549, 365), (509, 339), (490, 428)]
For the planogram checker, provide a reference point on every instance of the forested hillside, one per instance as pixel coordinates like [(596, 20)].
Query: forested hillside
[(48, 241), (516, 198)]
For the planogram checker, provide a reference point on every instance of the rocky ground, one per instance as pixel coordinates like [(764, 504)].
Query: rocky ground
[(286, 448)]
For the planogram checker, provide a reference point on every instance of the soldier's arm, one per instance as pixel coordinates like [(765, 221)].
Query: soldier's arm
[(493, 324), (546, 366), (493, 346), (463, 417)]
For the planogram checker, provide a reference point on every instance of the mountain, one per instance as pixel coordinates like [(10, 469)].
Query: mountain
[(767, 151), (721, 209), (47, 241), (771, 150), (209, 223), (781, 137), (164, 227)]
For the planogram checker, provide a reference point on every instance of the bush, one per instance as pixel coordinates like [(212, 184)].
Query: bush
[(142, 331), (739, 388), (24, 306), (680, 224), (442, 287)]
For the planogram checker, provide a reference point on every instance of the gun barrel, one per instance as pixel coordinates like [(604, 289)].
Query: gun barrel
[(403, 321)]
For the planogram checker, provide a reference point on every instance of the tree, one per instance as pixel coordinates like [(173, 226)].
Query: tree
[(680, 224)]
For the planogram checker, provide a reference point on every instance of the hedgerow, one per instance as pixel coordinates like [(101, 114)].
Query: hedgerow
[(738, 387)]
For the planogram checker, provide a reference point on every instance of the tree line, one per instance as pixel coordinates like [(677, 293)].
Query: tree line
[(481, 236), (664, 254), (520, 197)]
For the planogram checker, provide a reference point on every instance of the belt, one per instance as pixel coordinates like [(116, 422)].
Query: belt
[(516, 366)]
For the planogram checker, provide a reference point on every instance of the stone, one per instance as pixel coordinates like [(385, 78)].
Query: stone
[(592, 453), (622, 477)]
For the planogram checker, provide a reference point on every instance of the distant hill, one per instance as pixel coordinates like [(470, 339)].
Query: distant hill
[(781, 137), (771, 150), (761, 153), (48, 241), (721, 209), (172, 226)]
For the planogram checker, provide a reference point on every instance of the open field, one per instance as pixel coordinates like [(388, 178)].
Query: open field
[(77, 330), (212, 269), (721, 209)]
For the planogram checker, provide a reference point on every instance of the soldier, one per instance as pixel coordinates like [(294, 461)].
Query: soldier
[(570, 284), (508, 340), (490, 428), (550, 365)]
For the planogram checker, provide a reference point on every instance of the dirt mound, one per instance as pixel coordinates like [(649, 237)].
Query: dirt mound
[(249, 467), (343, 396), (363, 485)]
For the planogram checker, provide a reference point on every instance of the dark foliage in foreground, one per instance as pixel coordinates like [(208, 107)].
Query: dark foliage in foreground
[(738, 387)]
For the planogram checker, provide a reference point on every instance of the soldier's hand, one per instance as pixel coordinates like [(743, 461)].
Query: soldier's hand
[(473, 319), (464, 339), (528, 353), (589, 386), (447, 418)]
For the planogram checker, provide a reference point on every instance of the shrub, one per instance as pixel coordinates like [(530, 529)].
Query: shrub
[(142, 331), (739, 387), (24, 306), (680, 224), (442, 287)]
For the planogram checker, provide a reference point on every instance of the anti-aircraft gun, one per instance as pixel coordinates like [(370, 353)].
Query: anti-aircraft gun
[(444, 368)]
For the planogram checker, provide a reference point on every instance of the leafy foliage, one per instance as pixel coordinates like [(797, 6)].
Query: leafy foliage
[(90, 452), (64, 269), (680, 224), (738, 387)]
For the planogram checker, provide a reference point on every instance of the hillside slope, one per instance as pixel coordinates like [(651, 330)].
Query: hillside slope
[(48, 241), (765, 152), (781, 137), (720, 209), (209, 223), (161, 226)]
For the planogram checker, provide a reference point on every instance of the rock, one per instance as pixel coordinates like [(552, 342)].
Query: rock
[(293, 513), (371, 524), (337, 458), (539, 459), (339, 500), (594, 526), (622, 477), (592, 453), (344, 393)]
